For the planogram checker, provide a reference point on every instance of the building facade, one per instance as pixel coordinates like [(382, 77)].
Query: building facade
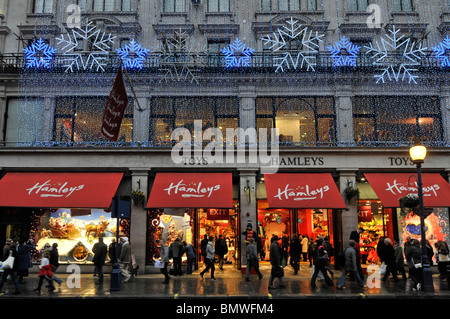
[(350, 85)]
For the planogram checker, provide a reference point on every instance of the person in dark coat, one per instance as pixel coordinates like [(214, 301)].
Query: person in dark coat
[(100, 251), (24, 263), (203, 245), (389, 259), (221, 249), (295, 251), (320, 264), (275, 261), (414, 256), (54, 261), (11, 272)]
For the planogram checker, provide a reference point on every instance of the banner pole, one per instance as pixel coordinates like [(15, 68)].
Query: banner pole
[(131, 85)]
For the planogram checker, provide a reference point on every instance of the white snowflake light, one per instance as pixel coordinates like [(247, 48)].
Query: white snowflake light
[(294, 59), (442, 52), (344, 52), (133, 55), (94, 59), (395, 48), (39, 54), (237, 54)]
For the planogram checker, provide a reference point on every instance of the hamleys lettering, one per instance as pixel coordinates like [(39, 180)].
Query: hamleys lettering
[(53, 190), (305, 194), (191, 190), (399, 188)]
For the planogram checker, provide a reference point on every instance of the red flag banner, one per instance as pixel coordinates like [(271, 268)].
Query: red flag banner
[(115, 108)]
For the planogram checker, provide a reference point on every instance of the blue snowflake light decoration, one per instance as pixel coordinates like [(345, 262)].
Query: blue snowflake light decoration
[(39, 54), (344, 52), (237, 54), (133, 55), (442, 52)]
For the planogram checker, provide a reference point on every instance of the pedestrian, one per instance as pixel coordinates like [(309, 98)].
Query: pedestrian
[(203, 245), (275, 260), (430, 252), (389, 257), (54, 261), (414, 260), (209, 259), (284, 249), (176, 250), (45, 272), (350, 265), (112, 250), (443, 260), (320, 264), (100, 251), (221, 249), (406, 248), (165, 259), (295, 249), (125, 259), (190, 255), (399, 259), (24, 263), (7, 246), (251, 253), (305, 245), (311, 250), (381, 249), (11, 272)]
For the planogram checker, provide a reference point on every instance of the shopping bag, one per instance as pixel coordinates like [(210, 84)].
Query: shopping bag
[(383, 269), (9, 262), (159, 264)]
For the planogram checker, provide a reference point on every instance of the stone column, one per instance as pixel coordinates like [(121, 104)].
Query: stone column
[(47, 119), (2, 118), (138, 227), (141, 119), (445, 111), (344, 119), (247, 205), (350, 215), (247, 106)]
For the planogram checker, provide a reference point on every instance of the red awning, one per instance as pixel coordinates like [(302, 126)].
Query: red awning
[(389, 187), (59, 190), (192, 190), (296, 190)]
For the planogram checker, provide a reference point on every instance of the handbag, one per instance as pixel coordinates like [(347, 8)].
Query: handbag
[(383, 269), (416, 265), (9, 262), (159, 264), (278, 271)]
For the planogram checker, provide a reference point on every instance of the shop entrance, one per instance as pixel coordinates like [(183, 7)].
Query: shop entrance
[(311, 223)]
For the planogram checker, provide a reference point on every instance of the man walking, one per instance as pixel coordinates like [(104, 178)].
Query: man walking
[(125, 259), (350, 265), (252, 260), (209, 259), (100, 251)]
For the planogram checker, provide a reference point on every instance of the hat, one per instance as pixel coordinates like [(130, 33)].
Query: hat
[(249, 223)]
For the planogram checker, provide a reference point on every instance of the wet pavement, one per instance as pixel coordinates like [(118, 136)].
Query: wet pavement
[(230, 284)]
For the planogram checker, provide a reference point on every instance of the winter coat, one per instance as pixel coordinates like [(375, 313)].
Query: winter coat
[(399, 260), (15, 254), (190, 251), (414, 253), (210, 250), (164, 254), (24, 256), (177, 249), (295, 249), (275, 254), (100, 252), (350, 259), (125, 253), (305, 245), (221, 246), (251, 253)]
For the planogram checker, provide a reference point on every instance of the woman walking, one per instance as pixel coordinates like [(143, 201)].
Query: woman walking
[(209, 259)]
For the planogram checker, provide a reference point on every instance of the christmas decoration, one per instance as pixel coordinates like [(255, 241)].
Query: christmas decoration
[(237, 54), (95, 59), (388, 51), (133, 55), (344, 52), (39, 54), (294, 59), (178, 61), (441, 51)]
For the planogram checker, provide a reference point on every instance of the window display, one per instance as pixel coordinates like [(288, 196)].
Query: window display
[(75, 231)]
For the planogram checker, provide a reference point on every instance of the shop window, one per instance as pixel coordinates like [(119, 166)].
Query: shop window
[(301, 121), (393, 120), (168, 114), (75, 231), (80, 119)]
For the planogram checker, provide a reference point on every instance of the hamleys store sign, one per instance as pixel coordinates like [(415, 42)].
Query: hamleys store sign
[(191, 189), (301, 192), (56, 189)]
